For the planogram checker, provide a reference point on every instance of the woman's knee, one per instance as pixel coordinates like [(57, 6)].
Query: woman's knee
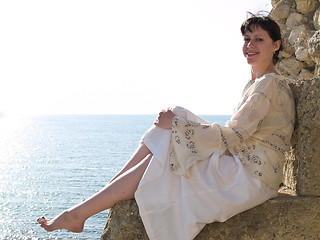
[(147, 159)]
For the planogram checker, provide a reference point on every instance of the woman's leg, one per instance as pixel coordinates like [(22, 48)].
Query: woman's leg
[(122, 187), (141, 152)]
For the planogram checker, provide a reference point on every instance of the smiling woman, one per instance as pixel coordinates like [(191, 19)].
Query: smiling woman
[(262, 43), (107, 57), (187, 172)]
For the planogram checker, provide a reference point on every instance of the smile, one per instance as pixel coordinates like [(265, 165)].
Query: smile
[(252, 54)]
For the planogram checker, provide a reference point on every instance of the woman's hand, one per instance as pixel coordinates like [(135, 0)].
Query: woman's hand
[(164, 119)]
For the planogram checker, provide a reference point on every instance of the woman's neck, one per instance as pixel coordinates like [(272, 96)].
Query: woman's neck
[(259, 72)]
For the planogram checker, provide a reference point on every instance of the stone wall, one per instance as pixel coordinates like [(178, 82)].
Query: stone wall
[(300, 24), (303, 175), (295, 214), (300, 60)]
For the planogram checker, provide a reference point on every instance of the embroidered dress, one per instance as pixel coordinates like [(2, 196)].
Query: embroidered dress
[(201, 172)]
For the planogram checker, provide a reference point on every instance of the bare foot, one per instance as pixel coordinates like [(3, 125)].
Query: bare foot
[(66, 220)]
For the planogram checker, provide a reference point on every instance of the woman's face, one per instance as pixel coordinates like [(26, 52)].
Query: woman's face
[(258, 47)]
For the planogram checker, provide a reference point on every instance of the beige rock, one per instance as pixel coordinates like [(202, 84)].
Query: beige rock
[(295, 19), (314, 47), (286, 54), (302, 53), (316, 19), (283, 218), (290, 169), (305, 74), (281, 10), (290, 66), (307, 6), (306, 140), (297, 34), (274, 2), (298, 39), (287, 49), (124, 223)]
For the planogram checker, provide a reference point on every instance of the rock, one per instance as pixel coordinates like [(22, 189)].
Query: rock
[(295, 19), (281, 10), (302, 53), (307, 6), (298, 34), (276, 219), (305, 74), (124, 222), (274, 2), (290, 66), (306, 140), (288, 50), (283, 218), (316, 19), (314, 47)]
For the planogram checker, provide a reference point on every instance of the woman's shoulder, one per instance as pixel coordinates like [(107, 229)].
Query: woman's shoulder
[(270, 76), (272, 79)]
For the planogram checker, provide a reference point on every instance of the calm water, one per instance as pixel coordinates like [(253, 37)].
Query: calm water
[(50, 163)]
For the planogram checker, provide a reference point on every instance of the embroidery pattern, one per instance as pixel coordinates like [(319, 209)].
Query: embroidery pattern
[(238, 134), (275, 147), (223, 138)]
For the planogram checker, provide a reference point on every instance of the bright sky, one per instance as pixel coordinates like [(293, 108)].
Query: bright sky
[(122, 56)]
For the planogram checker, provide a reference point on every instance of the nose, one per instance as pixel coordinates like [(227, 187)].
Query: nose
[(250, 44)]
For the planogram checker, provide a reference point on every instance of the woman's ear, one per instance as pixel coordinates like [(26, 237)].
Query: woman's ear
[(277, 45)]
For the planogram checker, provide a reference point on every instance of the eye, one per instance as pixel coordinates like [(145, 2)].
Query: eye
[(259, 40), (246, 39)]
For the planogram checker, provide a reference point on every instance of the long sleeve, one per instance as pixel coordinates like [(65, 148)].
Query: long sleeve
[(193, 141)]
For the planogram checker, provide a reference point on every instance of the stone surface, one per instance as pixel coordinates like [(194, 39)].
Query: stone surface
[(295, 19), (316, 19), (314, 47), (306, 6), (124, 223), (306, 140), (275, 219), (298, 34), (281, 10), (298, 20), (305, 74), (290, 67)]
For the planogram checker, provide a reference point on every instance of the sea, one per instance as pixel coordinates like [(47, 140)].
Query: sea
[(49, 163)]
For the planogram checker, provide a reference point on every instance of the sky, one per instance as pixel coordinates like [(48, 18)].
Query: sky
[(122, 56)]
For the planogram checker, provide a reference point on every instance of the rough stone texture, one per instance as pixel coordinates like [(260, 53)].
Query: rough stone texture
[(124, 223), (299, 21), (316, 19), (281, 11), (306, 6), (295, 19), (275, 219), (306, 140), (314, 47)]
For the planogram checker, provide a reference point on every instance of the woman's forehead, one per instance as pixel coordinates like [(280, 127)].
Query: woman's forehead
[(255, 29)]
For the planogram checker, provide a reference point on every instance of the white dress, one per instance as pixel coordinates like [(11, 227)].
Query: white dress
[(173, 206)]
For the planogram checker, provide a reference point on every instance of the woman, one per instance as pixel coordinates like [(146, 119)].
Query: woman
[(186, 172)]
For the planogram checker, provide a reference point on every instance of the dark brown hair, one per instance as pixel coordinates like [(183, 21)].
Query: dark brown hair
[(266, 24)]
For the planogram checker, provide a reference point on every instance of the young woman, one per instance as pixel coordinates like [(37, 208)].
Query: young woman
[(187, 172)]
